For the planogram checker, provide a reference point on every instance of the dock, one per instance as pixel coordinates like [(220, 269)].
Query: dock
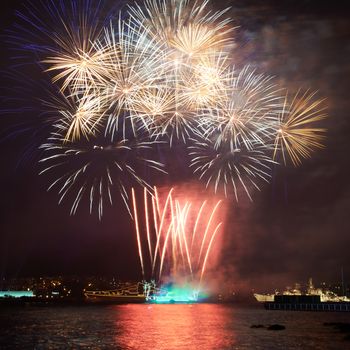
[(305, 303)]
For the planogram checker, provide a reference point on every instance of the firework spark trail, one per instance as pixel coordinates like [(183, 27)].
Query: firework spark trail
[(207, 253), (137, 231), (181, 215), (184, 222), (177, 230), (147, 224), (196, 223), (207, 229), (161, 223), (167, 235)]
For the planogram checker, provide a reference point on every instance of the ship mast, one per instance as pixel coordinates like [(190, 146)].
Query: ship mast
[(342, 280)]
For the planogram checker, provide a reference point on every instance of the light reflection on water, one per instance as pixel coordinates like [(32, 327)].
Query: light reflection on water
[(197, 326), (167, 327)]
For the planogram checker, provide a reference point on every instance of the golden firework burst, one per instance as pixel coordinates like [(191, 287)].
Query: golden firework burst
[(296, 134)]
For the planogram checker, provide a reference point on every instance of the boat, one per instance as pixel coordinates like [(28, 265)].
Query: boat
[(325, 295), (127, 293), (262, 298), (305, 303)]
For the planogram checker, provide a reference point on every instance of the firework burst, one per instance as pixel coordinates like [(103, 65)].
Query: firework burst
[(135, 64), (79, 72), (296, 136), (202, 84), (61, 36), (80, 117), (246, 115), (223, 167), (96, 169), (161, 72), (154, 107), (190, 28)]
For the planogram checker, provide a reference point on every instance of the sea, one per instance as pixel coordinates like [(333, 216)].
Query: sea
[(169, 327)]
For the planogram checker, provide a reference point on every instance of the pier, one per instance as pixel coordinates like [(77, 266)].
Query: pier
[(308, 307)]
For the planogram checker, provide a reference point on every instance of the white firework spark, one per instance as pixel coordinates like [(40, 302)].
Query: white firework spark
[(247, 115), (223, 167), (163, 71), (135, 63), (80, 117), (191, 28), (95, 170), (74, 28)]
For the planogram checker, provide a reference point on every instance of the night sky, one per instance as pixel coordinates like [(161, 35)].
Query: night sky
[(298, 225)]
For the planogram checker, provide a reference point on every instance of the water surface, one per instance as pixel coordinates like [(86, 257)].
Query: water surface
[(168, 327)]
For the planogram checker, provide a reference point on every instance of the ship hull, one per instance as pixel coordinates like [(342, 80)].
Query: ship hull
[(120, 299), (262, 298)]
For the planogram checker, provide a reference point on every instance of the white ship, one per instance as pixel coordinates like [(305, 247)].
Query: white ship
[(262, 298), (325, 294), (127, 293)]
